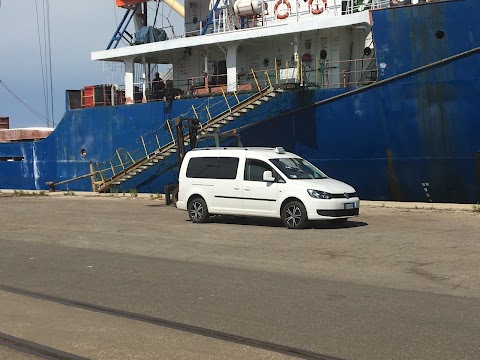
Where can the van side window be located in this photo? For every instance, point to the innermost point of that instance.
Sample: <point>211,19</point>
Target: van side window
<point>212,168</point>
<point>227,168</point>
<point>254,170</point>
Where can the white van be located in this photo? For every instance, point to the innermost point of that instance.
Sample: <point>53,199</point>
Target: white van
<point>261,182</point>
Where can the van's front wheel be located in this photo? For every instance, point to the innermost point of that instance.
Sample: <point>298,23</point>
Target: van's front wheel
<point>197,210</point>
<point>294,215</point>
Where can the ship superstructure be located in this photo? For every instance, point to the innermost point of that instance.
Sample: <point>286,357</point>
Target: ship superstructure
<point>314,43</point>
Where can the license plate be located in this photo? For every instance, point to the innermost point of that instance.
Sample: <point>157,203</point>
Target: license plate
<point>349,206</point>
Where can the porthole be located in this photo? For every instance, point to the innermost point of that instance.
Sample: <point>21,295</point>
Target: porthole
<point>323,54</point>
<point>440,34</point>
<point>83,153</point>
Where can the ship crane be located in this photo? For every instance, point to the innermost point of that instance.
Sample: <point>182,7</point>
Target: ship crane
<point>133,8</point>
<point>175,5</point>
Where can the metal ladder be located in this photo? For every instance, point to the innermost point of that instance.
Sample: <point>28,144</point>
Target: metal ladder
<point>121,30</point>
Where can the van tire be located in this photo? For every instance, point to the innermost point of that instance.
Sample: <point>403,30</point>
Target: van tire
<point>197,210</point>
<point>294,215</point>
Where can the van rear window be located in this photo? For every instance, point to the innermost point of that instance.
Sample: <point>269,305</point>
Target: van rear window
<point>213,168</point>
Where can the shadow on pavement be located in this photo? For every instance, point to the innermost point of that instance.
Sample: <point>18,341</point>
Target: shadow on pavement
<point>270,222</point>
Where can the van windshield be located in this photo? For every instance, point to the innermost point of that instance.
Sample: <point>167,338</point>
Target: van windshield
<point>298,168</point>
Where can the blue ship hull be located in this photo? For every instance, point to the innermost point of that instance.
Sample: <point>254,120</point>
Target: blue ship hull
<point>414,135</point>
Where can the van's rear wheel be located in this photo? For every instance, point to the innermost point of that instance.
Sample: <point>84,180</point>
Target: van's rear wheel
<point>197,210</point>
<point>294,215</point>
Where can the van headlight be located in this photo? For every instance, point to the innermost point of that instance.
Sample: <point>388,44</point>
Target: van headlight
<point>319,194</point>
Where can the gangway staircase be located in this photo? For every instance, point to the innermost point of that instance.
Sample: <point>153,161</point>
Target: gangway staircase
<point>163,152</point>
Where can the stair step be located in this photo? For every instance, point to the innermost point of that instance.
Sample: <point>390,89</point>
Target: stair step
<point>258,102</point>
<point>251,107</point>
<point>116,183</point>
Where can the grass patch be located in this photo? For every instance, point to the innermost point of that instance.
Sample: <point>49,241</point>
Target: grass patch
<point>133,192</point>
<point>476,208</point>
<point>26,193</point>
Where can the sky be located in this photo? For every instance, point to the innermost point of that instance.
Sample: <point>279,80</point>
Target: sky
<point>76,29</point>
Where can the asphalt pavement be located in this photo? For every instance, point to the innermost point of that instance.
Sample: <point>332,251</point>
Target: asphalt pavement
<point>128,277</point>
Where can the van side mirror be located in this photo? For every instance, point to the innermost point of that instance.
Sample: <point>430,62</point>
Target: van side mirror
<point>268,177</point>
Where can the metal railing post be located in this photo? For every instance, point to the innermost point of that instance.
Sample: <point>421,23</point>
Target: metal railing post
<point>100,172</point>
<point>268,78</point>
<point>226,100</point>
<point>171,132</point>
<point>144,147</point>
<point>196,115</point>
<point>256,82</point>
<point>131,158</point>
<point>208,113</point>
<point>120,159</point>
<point>286,71</point>
<point>301,71</point>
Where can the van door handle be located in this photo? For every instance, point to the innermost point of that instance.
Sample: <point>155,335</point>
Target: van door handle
<point>247,189</point>
<point>236,187</point>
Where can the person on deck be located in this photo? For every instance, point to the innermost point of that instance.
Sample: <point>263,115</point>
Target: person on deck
<point>158,87</point>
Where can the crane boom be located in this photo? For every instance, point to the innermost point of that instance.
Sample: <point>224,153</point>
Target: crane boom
<point>174,4</point>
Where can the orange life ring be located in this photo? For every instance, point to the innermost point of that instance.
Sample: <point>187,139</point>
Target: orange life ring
<point>285,15</point>
<point>318,9</point>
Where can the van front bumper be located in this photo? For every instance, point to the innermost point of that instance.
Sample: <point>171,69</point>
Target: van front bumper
<point>325,209</point>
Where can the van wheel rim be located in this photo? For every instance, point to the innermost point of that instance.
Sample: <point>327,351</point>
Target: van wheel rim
<point>294,215</point>
<point>196,211</point>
